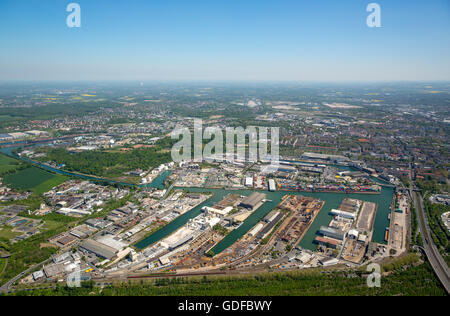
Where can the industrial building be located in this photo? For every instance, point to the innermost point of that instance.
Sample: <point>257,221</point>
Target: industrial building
<point>111,241</point>
<point>271,216</point>
<point>98,249</point>
<point>54,270</point>
<point>334,158</point>
<point>328,242</point>
<point>181,242</point>
<point>328,262</point>
<point>272,185</point>
<point>219,212</point>
<point>343,214</point>
<point>256,229</point>
<point>252,201</point>
<point>331,232</point>
<point>353,233</point>
<point>266,230</point>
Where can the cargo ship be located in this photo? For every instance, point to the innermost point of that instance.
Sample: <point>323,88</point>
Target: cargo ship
<point>386,235</point>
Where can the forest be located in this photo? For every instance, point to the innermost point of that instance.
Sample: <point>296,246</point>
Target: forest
<point>104,164</point>
<point>416,280</point>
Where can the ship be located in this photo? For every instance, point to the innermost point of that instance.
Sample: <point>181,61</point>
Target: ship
<point>386,234</point>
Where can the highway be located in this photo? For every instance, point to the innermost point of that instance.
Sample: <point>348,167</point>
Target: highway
<point>434,256</point>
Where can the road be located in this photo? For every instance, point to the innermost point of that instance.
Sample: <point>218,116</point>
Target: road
<point>434,256</point>
<point>6,287</point>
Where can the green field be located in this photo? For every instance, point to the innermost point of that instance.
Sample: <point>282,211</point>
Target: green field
<point>8,164</point>
<point>2,265</point>
<point>5,232</point>
<point>34,179</point>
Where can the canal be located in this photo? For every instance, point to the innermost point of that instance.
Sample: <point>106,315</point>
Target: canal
<point>332,200</point>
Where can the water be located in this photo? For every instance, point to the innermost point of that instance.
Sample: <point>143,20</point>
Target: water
<point>332,200</point>
<point>157,183</point>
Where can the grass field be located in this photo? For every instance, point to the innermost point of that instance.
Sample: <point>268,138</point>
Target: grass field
<point>2,265</point>
<point>7,233</point>
<point>8,164</point>
<point>34,179</point>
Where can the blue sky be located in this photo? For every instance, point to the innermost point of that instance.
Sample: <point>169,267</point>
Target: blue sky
<point>301,40</point>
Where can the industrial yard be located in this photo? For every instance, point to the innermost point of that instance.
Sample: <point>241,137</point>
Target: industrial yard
<point>198,227</point>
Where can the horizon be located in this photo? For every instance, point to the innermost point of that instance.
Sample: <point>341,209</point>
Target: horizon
<point>224,81</point>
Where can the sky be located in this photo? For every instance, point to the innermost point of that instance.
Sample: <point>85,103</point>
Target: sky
<point>245,40</point>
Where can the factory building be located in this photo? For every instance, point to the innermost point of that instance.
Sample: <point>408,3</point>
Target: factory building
<point>38,275</point>
<point>181,242</point>
<point>328,262</point>
<point>54,270</point>
<point>72,212</point>
<point>343,214</point>
<point>217,212</point>
<point>328,242</point>
<point>98,249</point>
<point>334,158</point>
<point>111,241</point>
<point>331,232</point>
<point>266,230</point>
<point>353,233</point>
<point>271,216</point>
<point>252,201</point>
<point>256,229</point>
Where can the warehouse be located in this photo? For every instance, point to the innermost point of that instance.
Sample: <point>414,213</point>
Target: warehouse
<point>181,242</point>
<point>271,216</point>
<point>252,201</point>
<point>111,241</point>
<point>38,275</point>
<point>219,212</point>
<point>266,230</point>
<point>343,214</point>
<point>54,270</point>
<point>256,229</point>
<point>331,232</point>
<point>314,156</point>
<point>328,242</point>
<point>99,249</point>
<point>328,262</point>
